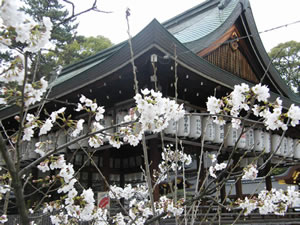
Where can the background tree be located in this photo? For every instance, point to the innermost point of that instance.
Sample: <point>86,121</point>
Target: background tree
<point>63,32</point>
<point>80,48</point>
<point>67,46</point>
<point>286,59</point>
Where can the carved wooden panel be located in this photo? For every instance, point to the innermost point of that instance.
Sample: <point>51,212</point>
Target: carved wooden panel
<point>232,60</point>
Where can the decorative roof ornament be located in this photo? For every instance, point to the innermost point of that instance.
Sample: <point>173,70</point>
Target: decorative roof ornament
<point>223,3</point>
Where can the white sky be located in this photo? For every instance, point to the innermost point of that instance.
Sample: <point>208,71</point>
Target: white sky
<point>267,14</point>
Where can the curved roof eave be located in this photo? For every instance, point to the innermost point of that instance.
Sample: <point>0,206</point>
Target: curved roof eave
<point>265,57</point>
<point>216,31</point>
<point>152,36</point>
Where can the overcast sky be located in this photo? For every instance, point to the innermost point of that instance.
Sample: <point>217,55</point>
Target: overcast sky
<point>267,14</point>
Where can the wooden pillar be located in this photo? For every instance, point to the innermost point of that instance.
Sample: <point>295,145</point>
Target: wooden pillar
<point>105,169</point>
<point>238,184</point>
<point>154,153</point>
<point>238,188</point>
<point>268,178</point>
<point>223,193</point>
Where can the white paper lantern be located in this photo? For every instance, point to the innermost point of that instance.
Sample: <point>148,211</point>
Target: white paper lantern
<point>219,134</point>
<point>196,126</point>
<point>233,136</point>
<point>208,129</point>
<point>267,142</point>
<point>296,149</point>
<point>184,126</point>
<point>258,140</point>
<point>290,143</point>
<point>284,148</point>
<point>275,144</point>
<point>171,128</point>
<point>249,139</point>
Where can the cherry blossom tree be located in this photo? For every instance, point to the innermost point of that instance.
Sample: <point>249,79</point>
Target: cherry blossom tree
<point>152,113</point>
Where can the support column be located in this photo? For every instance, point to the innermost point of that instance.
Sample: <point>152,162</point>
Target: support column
<point>238,184</point>
<point>105,169</point>
<point>268,178</point>
<point>154,153</point>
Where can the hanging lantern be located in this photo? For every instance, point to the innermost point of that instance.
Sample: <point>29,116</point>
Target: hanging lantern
<point>249,139</point>
<point>195,126</point>
<point>284,149</point>
<point>275,144</point>
<point>296,149</point>
<point>290,143</point>
<point>208,129</point>
<point>184,126</point>
<point>171,128</point>
<point>267,142</point>
<point>259,140</point>
<point>219,134</point>
<point>233,136</point>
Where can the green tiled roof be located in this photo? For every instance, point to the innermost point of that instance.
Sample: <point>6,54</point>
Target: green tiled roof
<point>73,73</point>
<point>202,24</point>
<point>77,68</point>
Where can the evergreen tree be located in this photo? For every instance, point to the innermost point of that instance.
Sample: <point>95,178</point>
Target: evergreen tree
<point>69,47</point>
<point>63,32</point>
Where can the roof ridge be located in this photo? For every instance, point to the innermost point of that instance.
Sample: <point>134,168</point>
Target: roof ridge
<point>190,12</point>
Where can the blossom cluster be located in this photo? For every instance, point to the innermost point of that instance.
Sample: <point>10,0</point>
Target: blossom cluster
<point>172,160</point>
<point>15,26</point>
<point>139,204</point>
<point>151,114</point>
<point>242,98</point>
<point>155,111</point>
<point>80,207</point>
<point>274,201</point>
<point>250,172</point>
<point>216,166</point>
